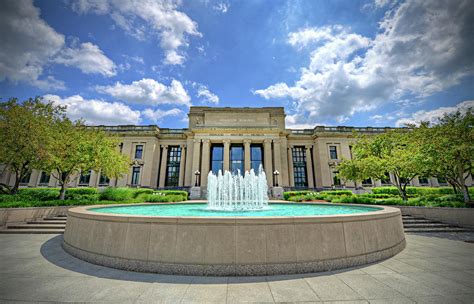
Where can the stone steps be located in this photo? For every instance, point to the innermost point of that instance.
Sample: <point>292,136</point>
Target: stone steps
<point>48,225</point>
<point>413,224</point>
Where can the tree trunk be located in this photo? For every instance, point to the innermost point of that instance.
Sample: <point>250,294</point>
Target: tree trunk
<point>465,194</point>
<point>62,192</point>
<point>15,187</point>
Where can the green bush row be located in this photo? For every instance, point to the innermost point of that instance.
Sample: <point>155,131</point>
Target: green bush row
<point>287,195</point>
<point>154,198</point>
<point>141,194</point>
<point>418,191</point>
<point>49,194</point>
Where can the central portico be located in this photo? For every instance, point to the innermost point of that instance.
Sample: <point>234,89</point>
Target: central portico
<point>237,139</point>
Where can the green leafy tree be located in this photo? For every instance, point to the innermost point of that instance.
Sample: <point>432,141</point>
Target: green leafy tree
<point>25,129</point>
<point>448,146</point>
<point>75,148</point>
<point>395,151</point>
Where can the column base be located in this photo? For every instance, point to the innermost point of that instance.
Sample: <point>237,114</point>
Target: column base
<point>277,192</point>
<point>195,193</point>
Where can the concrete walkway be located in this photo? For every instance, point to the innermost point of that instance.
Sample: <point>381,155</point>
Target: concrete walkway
<point>432,269</point>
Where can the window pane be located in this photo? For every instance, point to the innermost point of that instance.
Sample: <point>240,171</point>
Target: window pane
<point>172,170</point>
<point>138,151</point>
<point>217,156</point>
<point>333,152</point>
<point>237,159</point>
<point>135,175</point>
<point>299,166</point>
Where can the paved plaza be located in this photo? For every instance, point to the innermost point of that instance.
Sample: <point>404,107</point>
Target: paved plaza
<point>432,269</point>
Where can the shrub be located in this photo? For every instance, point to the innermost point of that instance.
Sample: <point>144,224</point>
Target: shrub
<point>164,198</point>
<point>39,194</point>
<point>288,194</point>
<point>378,195</point>
<point>91,194</point>
<point>117,194</point>
<point>390,201</point>
<point>414,191</point>
<point>10,198</point>
<point>297,198</point>
<point>337,192</point>
<point>353,199</point>
<point>173,192</point>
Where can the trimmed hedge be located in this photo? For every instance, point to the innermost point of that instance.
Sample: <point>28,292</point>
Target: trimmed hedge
<point>353,199</point>
<point>173,192</point>
<point>157,198</point>
<point>414,191</point>
<point>123,194</point>
<point>288,194</point>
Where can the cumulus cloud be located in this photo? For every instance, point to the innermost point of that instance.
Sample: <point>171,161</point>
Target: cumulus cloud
<point>27,43</point>
<point>140,17</point>
<point>205,94</point>
<point>423,47</point>
<point>433,115</point>
<point>96,112</point>
<point>89,58</point>
<point>157,115</point>
<point>148,91</point>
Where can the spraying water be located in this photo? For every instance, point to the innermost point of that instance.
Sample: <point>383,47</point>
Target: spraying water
<point>236,192</point>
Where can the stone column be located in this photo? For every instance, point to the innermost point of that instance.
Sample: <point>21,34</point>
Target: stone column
<point>226,154</point>
<point>164,160</point>
<point>415,182</point>
<point>317,166</point>
<point>155,165</point>
<point>206,157</point>
<point>284,173</point>
<point>309,167</point>
<point>268,161</point>
<point>182,166</point>
<point>188,172</point>
<point>277,158</point>
<point>246,155</point>
<point>196,159</point>
<point>290,167</point>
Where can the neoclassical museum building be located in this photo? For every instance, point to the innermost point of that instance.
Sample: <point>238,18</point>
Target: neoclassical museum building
<point>229,139</point>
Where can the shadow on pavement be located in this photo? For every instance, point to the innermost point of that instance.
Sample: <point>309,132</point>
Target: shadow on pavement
<point>52,251</point>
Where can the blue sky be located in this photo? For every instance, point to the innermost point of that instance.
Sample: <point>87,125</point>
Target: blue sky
<point>359,63</point>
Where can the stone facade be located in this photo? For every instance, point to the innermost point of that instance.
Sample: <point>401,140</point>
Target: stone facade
<point>228,138</point>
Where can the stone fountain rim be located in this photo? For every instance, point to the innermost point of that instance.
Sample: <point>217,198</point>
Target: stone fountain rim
<point>86,213</point>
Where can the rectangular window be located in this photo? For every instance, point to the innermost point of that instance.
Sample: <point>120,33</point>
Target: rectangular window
<point>256,157</point>
<point>172,168</point>
<point>442,181</point>
<point>217,158</point>
<point>332,152</point>
<point>135,176</point>
<point>44,179</point>
<point>26,179</point>
<point>138,151</point>
<point>85,178</point>
<point>237,159</point>
<point>386,180</point>
<point>104,180</point>
<point>423,180</point>
<point>367,182</point>
<point>299,167</point>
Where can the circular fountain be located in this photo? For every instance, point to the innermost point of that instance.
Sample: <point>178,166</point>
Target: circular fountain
<point>238,232</point>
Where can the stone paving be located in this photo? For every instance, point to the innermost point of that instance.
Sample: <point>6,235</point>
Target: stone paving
<point>432,269</point>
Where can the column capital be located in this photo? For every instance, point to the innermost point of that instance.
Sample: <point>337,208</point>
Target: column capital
<point>164,146</point>
<point>247,141</point>
<point>277,141</point>
<point>267,141</point>
<point>308,146</point>
<point>183,146</point>
<point>226,141</point>
<point>206,141</point>
<point>196,141</point>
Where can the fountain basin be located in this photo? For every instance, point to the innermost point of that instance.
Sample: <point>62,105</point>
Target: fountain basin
<point>234,245</point>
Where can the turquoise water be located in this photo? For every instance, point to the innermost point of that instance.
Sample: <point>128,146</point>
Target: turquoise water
<point>200,210</point>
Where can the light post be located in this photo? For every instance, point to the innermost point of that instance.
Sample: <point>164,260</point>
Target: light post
<point>275,174</point>
<point>197,173</point>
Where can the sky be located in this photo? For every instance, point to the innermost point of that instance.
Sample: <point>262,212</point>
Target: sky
<point>352,63</point>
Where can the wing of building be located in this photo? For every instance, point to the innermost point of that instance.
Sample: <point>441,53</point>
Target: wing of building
<point>228,139</point>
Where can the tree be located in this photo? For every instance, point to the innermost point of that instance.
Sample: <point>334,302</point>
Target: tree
<point>395,151</point>
<point>24,132</point>
<point>75,148</point>
<point>448,146</point>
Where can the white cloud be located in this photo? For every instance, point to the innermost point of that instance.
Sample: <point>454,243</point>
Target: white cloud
<point>148,91</point>
<point>27,43</point>
<point>96,112</point>
<point>89,58</point>
<point>208,96</point>
<point>433,115</point>
<point>157,115</point>
<point>139,18</point>
<point>222,7</point>
<point>423,47</point>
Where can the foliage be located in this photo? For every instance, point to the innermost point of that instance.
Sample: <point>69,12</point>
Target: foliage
<point>417,191</point>
<point>33,203</point>
<point>74,148</point>
<point>449,148</point>
<point>353,199</point>
<point>174,192</point>
<point>164,198</point>
<point>395,151</point>
<point>118,194</point>
<point>140,194</point>
<point>25,130</point>
<point>39,194</point>
<point>337,192</point>
<point>288,194</point>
